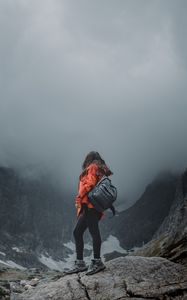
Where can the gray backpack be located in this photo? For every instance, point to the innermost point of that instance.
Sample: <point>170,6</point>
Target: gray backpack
<point>103,195</point>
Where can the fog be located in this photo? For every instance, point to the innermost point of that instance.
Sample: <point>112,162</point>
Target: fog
<point>109,76</point>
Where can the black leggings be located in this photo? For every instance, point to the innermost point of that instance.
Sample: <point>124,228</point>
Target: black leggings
<point>88,218</point>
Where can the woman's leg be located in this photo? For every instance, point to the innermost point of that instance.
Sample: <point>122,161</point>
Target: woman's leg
<point>93,217</point>
<point>78,232</point>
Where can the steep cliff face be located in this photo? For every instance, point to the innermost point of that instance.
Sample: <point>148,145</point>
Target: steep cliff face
<point>170,240</point>
<point>137,224</point>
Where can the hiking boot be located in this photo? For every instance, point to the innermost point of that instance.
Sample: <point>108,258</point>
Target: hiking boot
<point>96,266</point>
<point>79,266</point>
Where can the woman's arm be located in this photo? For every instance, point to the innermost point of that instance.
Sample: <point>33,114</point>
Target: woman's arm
<point>90,180</point>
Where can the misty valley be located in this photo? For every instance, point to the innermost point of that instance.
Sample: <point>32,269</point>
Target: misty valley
<point>37,220</point>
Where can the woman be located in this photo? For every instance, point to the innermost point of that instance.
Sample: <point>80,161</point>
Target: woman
<point>93,169</point>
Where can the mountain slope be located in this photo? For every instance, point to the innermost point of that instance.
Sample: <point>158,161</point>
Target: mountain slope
<point>36,221</point>
<point>33,218</point>
<point>137,224</point>
<point>170,240</point>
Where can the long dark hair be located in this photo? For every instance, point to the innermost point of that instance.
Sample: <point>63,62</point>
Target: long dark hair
<point>94,156</point>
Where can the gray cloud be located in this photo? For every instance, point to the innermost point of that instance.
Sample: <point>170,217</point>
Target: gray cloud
<point>85,75</point>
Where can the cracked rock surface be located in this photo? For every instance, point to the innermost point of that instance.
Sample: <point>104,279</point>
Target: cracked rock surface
<point>125,277</point>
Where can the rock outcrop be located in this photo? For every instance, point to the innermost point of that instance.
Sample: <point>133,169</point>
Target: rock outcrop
<point>125,277</point>
<point>170,240</point>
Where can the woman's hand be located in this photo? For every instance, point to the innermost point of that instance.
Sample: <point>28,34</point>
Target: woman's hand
<point>78,202</point>
<point>77,205</point>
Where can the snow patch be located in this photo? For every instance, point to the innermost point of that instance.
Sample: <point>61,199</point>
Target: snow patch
<point>17,249</point>
<point>11,264</point>
<point>14,265</point>
<point>70,245</point>
<point>111,244</point>
<point>4,263</point>
<point>53,264</point>
<point>2,253</point>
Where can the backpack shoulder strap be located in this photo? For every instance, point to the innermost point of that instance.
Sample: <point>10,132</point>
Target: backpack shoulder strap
<point>113,210</point>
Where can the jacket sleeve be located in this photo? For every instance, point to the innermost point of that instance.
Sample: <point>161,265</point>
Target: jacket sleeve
<point>90,180</point>
<point>77,198</point>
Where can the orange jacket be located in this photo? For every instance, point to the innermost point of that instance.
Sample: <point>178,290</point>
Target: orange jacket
<point>87,180</point>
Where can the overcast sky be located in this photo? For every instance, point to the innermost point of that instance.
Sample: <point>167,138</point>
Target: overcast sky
<point>109,76</point>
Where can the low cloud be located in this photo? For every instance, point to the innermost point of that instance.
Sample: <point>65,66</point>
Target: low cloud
<point>81,76</point>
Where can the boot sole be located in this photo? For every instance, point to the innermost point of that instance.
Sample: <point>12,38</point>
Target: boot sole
<point>75,271</point>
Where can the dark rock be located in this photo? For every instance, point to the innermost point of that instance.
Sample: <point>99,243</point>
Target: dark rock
<point>113,255</point>
<point>170,240</point>
<point>4,290</point>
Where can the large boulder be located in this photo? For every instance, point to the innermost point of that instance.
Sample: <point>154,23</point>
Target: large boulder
<point>125,277</point>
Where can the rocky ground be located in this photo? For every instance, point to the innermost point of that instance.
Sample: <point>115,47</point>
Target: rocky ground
<point>125,277</point>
